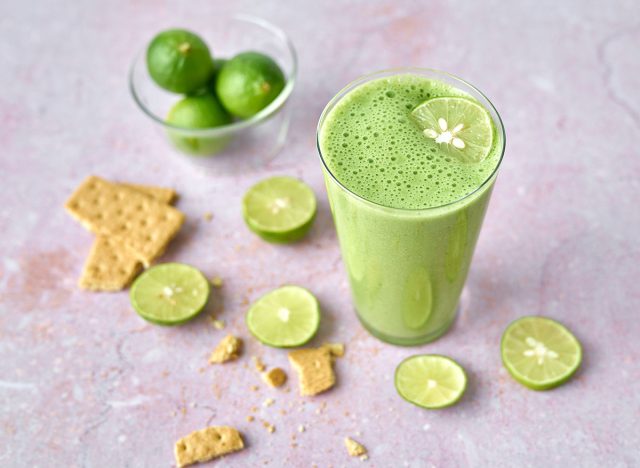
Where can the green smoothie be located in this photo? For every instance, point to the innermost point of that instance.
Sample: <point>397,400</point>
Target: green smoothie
<point>407,210</point>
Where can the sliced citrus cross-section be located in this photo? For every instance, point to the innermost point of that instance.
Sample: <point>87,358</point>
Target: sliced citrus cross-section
<point>539,352</point>
<point>461,127</point>
<point>170,293</point>
<point>279,209</point>
<point>430,381</point>
<point>285,317</point>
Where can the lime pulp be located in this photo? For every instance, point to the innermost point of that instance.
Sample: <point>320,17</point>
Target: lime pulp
<point>285,317</point>
<point>460,127</point>
<point>279,209</point>
<point>169,293</point>
<point>430,381</point>
<point>539,352</point>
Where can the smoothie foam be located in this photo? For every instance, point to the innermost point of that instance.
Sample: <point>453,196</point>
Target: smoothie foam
<point>374,149</point>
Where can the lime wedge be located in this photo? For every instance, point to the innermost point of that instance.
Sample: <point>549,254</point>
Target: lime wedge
<point>459,126</point>
<point>279,209</point>
<point>539,352</point>
<point>285,317</point>
<point>430,381</point>
<point>170,293</point>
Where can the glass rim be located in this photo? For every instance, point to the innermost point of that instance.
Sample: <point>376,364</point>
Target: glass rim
<point>234,127</point>
<point>399,71</point>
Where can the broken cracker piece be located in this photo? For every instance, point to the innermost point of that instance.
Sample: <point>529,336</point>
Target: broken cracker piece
<point>227,350</point>
<point>207,444</point>
<point>354,448</point>
<point>143,224</point>
<point>207,216</point>
<point>110,266</point>
<point>314,368</point>
<point>275,377</point>
<point>257,362</point>
<point>336,349</point>
<point>216,282</point>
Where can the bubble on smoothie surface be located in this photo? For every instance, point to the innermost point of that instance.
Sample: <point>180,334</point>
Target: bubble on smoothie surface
<point>371,146</point>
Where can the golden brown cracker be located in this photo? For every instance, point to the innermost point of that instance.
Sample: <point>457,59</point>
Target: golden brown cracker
<point>227,350</point>
<point>110,266</point>
<point>336,349</point>
<point>207,444</point>
<point>314,368</point>
<point>141,223</point>
<point>161,194</point>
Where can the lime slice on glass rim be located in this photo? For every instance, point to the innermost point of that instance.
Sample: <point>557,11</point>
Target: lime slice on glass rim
<point>285,317</point>
<point>279,209</point>
<point>170,293</point>
<point>430,381</point>
<point>539,352</point>
<point>461,128</point>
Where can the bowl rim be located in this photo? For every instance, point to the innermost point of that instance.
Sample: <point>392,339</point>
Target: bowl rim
<point>239,125</point>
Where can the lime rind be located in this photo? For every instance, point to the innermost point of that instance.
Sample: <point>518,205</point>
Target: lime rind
<point>170,293</point>
<point>556,338</point>
<point>458,126</point>
<point>414,376</point>
<point>279,209</point>
<point>285,317</point>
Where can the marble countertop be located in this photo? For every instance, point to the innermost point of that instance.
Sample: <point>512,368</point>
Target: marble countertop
<point>84,382</point>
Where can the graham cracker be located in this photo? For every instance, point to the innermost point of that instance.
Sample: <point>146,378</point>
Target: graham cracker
<point>227,350</point>
<point>110,265</point>
<point>207,444</point>
<point>161,194</point>
<point>314,368</point>
<point>144,225</point>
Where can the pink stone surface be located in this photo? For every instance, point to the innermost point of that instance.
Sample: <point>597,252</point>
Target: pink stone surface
<point>85,382</point>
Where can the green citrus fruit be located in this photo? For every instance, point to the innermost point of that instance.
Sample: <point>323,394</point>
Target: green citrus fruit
<point>248,83</point>
<point>198,112</point>
<point>170,293</point>
<point>179,61</point>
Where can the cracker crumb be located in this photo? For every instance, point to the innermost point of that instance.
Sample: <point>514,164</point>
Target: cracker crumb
<point>250,418</point>
<point>207,216</point>
<point>254,409</point>
<point>207,444</point>
<point>216,282</point>
<point>218,324</point>
<point>301,428</point>
<point>364,457</point>
<point>257,362</point>
<point>354,448</point>
<point>269,427</point>
<point>336,349</point>
<point>268,402</point>
<point>227,350</point>
<point>254,388</point>
<point>314,367</point>
<point>275,377</point>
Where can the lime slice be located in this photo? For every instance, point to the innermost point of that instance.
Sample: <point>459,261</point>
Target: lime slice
<point>539,352</point>
<point>170,293</point>
<point>285,317</point>
<point>430,381</point>
<point>279,209</point>
<point>459,126</point>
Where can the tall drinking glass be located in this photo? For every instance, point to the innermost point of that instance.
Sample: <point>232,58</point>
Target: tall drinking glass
<point>406,221</point>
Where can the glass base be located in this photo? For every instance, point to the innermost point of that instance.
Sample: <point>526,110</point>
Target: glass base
<point>413,341</point>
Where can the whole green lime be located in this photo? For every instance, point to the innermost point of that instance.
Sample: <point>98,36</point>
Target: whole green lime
<point>198,112</point>
<point>248,83</point>
<point>179,61</point>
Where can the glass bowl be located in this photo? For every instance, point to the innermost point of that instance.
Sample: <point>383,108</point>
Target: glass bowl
<point>263,133</point>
